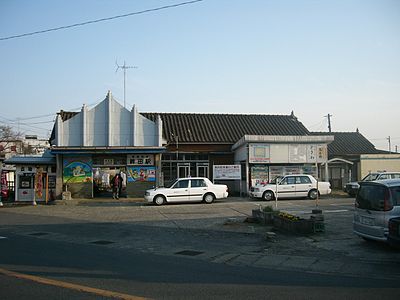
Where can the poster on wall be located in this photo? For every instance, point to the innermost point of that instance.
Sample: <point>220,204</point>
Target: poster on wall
<point>227,172</point>
<point>259,153</point>
<point>297,153</point>
<point>77,170</point>
<point>141,174</point>
<point>259,175</point>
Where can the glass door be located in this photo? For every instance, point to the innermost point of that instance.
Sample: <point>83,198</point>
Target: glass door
<point>202,170</point>
<point>183,170</point>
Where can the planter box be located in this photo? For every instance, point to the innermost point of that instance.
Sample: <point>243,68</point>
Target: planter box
<point>264,217</point>
<point>302,226</point>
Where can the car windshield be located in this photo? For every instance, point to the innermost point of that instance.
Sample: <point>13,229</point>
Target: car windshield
<point>371,177</point>
<point>278,178</point>
<point>168,185</point>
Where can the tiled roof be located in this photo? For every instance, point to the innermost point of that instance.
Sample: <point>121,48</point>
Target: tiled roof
<point>349,143</point>
<point>225,128</point>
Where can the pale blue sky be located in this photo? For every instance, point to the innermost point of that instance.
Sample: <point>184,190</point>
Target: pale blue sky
<point>218,56</point>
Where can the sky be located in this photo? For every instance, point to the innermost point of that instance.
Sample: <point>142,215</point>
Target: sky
<point>270,57</point>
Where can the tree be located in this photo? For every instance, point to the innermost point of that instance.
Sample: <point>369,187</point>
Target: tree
<point>8,143</point>
<point>8,139</point>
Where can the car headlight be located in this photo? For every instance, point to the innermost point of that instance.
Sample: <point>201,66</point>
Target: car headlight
<point>147,194</point>
<point>256,190</point>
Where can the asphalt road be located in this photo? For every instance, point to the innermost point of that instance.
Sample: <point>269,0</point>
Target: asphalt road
<point>129,250</point>
<point>134,273</point>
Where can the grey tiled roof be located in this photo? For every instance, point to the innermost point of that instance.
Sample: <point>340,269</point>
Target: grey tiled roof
<point>349,143</point>
<point>225,128</point>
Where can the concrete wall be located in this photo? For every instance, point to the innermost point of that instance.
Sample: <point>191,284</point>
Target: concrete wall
<point>379,163</point>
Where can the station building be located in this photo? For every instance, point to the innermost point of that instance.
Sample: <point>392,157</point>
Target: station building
<point>152,149</point>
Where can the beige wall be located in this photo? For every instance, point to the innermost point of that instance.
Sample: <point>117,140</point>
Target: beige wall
<point>379,163</point>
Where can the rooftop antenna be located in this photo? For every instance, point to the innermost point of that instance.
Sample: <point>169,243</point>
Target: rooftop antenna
<point>124,67</point>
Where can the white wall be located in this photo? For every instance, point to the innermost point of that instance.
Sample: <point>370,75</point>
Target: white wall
<point>379,163</point>
<point>109,124</point>
<point>72,131</point>
<point>96,126</point>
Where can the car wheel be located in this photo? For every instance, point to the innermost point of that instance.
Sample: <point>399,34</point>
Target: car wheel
<point>312,194</point>
<point>208,198</point>
<point>268,196</point>
<point>159,200</point>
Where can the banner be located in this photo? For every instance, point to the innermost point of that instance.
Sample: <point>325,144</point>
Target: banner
<point>227,172</point>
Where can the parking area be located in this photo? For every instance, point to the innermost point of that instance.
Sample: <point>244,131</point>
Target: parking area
<point>213,232</point>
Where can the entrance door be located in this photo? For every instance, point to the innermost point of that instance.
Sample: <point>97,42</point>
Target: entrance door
<point>183,170</point>
<point>202,171</point>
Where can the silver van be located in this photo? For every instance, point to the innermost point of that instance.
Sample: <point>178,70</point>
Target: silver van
<point>376,203</point>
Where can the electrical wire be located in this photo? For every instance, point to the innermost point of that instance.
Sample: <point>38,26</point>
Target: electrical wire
<point>99,20</point>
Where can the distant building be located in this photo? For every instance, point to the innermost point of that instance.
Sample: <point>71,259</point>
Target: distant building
<point>344,153</point>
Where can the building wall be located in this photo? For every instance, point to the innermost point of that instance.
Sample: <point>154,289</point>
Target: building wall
<point>72,131</point>
<point>378,163</point>
<point>109,124</point>
<point>96,126</point>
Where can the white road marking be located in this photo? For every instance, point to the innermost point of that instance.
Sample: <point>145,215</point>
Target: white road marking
<point>336,210</point>
<point>3,237</point>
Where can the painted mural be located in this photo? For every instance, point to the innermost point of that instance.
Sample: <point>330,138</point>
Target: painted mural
<point>77,170</point>
<point>141,174</point>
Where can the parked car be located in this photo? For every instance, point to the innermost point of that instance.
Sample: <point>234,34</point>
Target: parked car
<point>195,189</point>
<point>351,188</point>
<point>291,186</point>
<point>394,232</point>
<point>376,203</point>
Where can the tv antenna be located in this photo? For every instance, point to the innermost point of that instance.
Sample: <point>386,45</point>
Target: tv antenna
<point>124,67</point>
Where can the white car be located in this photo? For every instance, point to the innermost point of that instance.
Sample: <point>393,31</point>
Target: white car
<point>194,189</point>
<point>291,186</point>
<point>351,188</point>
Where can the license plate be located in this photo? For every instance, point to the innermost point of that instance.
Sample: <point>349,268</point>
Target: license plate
<point>367,221</point>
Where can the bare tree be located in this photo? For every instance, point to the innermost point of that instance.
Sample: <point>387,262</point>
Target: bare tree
<point>8,140</point>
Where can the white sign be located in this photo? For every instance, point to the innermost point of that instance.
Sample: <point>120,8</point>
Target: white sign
<point>227,172</point>
<point>259,153</point>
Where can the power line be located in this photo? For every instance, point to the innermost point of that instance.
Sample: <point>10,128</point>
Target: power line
<point>99,20</point>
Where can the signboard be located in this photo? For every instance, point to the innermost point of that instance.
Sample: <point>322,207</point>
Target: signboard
<point>259,153</point>
<point>141,160</point>
<point>227,172</point>
<point>317,153</point>
<point>297,153</point>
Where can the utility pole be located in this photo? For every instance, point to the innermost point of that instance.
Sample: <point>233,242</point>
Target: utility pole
<point>124,67</point>
<point>329,122</point>
<point>395,147</point>
<point>390,146</point>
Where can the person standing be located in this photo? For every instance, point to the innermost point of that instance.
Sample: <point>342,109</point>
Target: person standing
<point>116,185</point>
